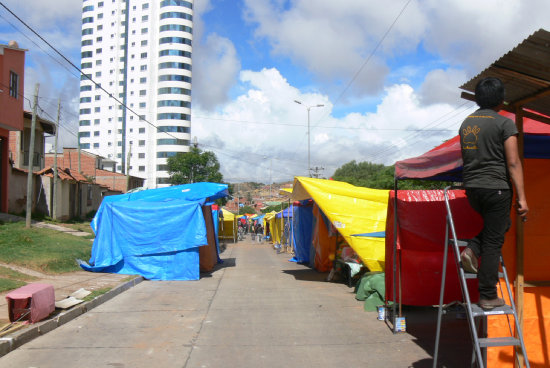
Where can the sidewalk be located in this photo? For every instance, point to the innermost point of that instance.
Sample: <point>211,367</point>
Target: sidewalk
<point>256,309</point>
<point>64,284</point>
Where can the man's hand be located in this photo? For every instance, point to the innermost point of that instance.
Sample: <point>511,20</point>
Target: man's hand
<point>522,209</point>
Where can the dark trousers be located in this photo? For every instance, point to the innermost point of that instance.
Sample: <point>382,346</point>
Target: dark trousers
<point>494,207</point>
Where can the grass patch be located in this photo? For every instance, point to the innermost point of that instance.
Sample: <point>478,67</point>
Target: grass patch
<point>76,225</point>
<point>6,272</point>
<point>7,284</point>
<point>45,250</point>
<point>96,293</point>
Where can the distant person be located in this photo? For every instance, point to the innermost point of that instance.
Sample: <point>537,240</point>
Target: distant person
<point>491,160</point>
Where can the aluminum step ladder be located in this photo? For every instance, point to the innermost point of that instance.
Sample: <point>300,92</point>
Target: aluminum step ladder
<point>475,314</point>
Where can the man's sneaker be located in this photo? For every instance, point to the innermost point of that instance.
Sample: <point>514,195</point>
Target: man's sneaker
<point>469,260</point>
<point>491,303</point>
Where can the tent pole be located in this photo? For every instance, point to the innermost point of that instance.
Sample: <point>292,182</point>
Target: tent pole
<point>520,276</point>
<point>394,254</point>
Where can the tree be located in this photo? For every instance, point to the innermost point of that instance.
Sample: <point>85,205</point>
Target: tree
<point>193,167</point>
<point>246,209</point>
<point>378,176</point>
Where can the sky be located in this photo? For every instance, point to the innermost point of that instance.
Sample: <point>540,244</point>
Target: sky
<point>386,72</point>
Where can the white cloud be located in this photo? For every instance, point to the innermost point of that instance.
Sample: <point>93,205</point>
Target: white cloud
<point>441,86</point>
<point>215,70</point>
<point>264,123</point>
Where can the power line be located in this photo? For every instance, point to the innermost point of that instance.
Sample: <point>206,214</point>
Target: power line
<point>369,57</point>
<point>97,85</point>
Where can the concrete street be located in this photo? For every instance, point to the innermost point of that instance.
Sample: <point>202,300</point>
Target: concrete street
<point>256,310</point>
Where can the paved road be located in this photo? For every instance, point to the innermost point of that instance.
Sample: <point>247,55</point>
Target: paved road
<point>258,310</point>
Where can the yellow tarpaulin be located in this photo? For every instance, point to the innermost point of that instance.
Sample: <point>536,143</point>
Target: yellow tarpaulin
<point>229,228</point>
<point>352,210</point>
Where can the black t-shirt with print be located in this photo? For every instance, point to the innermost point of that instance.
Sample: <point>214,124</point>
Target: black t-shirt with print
<point>482,136</point>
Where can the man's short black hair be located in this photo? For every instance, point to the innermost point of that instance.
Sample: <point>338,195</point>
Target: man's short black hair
<point>489,93</point>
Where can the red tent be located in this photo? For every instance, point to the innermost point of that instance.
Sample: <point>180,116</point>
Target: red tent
<point>444,163</point>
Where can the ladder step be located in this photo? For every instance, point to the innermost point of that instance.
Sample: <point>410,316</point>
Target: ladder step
<point>477,311</point>
<point>498,341</point>
<point>460,243</point>
<point>469,275</point>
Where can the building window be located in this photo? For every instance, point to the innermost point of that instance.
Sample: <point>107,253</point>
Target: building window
<point>174,78</point>
<point>142,105</point>
<point>144,55</point>
<point>85,65</point>
<point>141,155</point>
<point>98,51</point>
<point>141,143</point>
<point>141,130</point>
<point>98,62</point>
<point>143,68</point>
<point>173,65</point>
<point>163,180</point>
<point>145,6</point>
<point>173,129</point>
<point>87,20</point>
<point>14,84</point>
<point>184,3</point>
<point>98,97</point>
<point>84,123</point>
<point>174,103</point>
<point>96,145</point>
<point>142,168</point>
<point>96,121</point>
<point>86,54</point>
<point>178,15</point>
<point>87,31</point>
<point>182,40</point>
<point>145,18</point>
<point>86,43</point>
<point>143,80</point>
<point>85,145</point>
<point>87,8</point>
<point>100,16</point>
<point>171,141</point>
<point>96,133</point>
<point>85,111</point>
<point>176,27</point>
<point>166,154</point>
<point>100,4</point>
<point>84,134</point>
<point>144,30</point>
<point>85,99</point>
<point>175,53</point>
<point>174,90</point>
<point>85,88</point>
<point>143,92</point>
<point>98,74</point>
<point>99,39</point>
<point>97,109</point>
<point>144,43</point>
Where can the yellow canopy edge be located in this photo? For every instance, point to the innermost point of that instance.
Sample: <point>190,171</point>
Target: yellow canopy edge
<point>352,210</point>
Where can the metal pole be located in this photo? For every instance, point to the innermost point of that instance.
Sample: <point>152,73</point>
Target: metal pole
<point>308,144</point>
<point>54,199</point>
<point>31,154</point>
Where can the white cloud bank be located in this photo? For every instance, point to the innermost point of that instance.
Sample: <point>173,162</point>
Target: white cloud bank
<point>264,128</point>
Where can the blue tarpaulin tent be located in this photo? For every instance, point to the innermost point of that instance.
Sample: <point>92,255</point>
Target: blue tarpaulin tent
<point>155,233</point>
<point>303,225</point>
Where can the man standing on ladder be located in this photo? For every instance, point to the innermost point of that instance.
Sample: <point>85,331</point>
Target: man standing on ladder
<point>490,154</point>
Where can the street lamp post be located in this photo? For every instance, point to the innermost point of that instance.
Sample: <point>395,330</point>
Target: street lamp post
<point>308,134</point>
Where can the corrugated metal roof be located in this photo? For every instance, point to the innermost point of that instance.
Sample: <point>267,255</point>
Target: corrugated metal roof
<point>525,72</point>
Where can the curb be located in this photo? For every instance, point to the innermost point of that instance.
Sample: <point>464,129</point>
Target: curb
<point>19,338</point>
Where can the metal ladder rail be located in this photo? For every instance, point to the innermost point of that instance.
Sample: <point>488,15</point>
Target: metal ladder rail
<point>463,286</point>
<point>476,311</point>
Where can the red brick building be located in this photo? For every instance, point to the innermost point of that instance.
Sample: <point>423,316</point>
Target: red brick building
<point>94,167</point>
<point>12,70</point>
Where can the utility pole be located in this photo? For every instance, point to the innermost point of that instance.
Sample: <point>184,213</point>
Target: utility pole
<point>316,169</point>
<point>54,199</point>
<point>308,135</point>
<point>31,156</point>
<point>79,164</point>
<point>128,168</point>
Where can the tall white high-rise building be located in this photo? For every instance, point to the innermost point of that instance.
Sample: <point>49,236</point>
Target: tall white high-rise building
<point>139,51</point>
